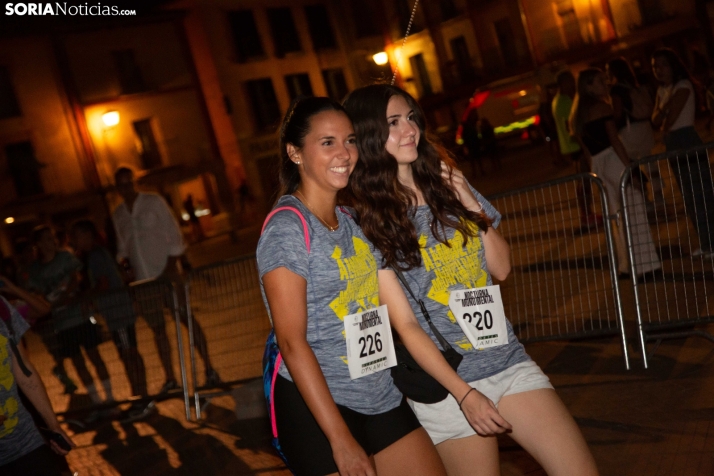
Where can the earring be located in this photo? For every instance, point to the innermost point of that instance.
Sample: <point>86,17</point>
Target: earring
<point>297,162</point>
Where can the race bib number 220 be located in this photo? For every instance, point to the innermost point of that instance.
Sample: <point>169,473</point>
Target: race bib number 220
<point>480,315</point>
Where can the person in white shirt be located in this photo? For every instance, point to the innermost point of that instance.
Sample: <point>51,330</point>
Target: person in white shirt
<point>150,240</point>
<point>674,114</point>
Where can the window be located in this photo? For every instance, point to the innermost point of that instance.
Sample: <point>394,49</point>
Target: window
<point>24,169</point>
<point>462,59</point>
<point>130,77</point>
<point>266,110</point>
<point>298,85</point>
<point>8,101</point>
<point>506,42</point>
<point>421,75</point>
<point>246,39</point>
<point>404,12</point>
<point>318,21</point>
<point>448,9</point>
<point>335,82</point>
<point>146,143</point>
<point>282,27</point>
<point>363,19</point>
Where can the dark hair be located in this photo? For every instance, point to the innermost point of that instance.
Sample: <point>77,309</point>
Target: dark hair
<point>383,204</point>
<point>679,70</point>
<point>40,230</point>
<point>620,68</point>
<point>123,170</point>
<point>295,126</point>
<point>87,226</point>
<point>564,76</point>
<point>583,100</point>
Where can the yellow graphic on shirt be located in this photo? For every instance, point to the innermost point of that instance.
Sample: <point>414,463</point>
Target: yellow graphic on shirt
<point>9,407</point>
<point>454,264</point>
<point>360,274</point>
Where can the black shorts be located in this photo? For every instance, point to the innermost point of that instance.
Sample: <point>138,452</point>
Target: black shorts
<point>70,340</point>
<point>125,338</point>
<point>305,445</point>
<point>39,462</point>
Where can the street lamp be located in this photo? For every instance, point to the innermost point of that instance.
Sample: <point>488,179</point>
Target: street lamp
<point>110,118</point>
<point>381,58</point>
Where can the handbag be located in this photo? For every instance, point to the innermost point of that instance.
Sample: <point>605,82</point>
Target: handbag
<point>408,376</point>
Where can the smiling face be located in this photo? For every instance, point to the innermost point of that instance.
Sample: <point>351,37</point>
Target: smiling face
<point>404,132</point>
<point>329,153</point>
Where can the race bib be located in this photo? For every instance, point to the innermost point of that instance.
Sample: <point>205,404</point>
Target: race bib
<point>370,347</point>
<point>480,314</point>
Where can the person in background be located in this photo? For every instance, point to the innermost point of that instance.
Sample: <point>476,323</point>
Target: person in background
<point>569,147</point>
<point>632,107</point>
<point>23,451</point>
<point>490,143</point>
<point>548,126</point>
<point>149,242</point>
<point>674,115</point>
<point>57,278</point>
<point>593,123</point>
<point>116,307</point>
<point>472,140</point>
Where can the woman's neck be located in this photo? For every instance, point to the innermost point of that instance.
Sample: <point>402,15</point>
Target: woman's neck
<point>406,178</point>
<point>321,203</point>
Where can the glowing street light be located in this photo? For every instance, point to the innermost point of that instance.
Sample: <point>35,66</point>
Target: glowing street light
<point>9,220</point>
<point>110,118</point>
<point>381,58</point>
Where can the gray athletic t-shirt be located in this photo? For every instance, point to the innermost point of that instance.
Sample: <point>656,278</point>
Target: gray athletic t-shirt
<point>445,269</point>
<point>341,274</point>
<point>18,434</point>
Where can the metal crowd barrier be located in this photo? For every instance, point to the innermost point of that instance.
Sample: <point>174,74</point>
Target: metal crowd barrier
<point>113,332</point>
<point>672,207</point>
<point>563,283</point>
<point>225,299</point>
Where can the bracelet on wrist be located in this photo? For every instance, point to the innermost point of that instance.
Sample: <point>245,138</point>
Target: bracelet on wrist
<point>464,397</point>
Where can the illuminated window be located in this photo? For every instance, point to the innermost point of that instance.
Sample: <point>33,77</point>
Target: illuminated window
<point>246,38</point>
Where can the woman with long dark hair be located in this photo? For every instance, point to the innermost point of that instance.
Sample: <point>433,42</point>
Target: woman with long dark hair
<point>440,234</point>
<point>592,121</point>
<point>674,114</point>
<point>317,272</point>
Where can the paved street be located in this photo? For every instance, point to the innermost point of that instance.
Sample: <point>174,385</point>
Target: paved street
<point>655,421</point>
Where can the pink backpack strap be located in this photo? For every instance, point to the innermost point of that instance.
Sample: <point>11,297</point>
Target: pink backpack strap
<point>279,358</point>
<point>297,212</point>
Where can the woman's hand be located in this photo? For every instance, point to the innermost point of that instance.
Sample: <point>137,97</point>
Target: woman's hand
<point>483,415</point>
<point>351,459</point>
<point>55,447</point>
<point>460,185</point>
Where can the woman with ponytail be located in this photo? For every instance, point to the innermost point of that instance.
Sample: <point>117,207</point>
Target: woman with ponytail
<point>317,272</point>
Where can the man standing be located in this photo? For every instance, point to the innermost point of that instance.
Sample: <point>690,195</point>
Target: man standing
<point>569,147</point>
<point>149,238</point>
